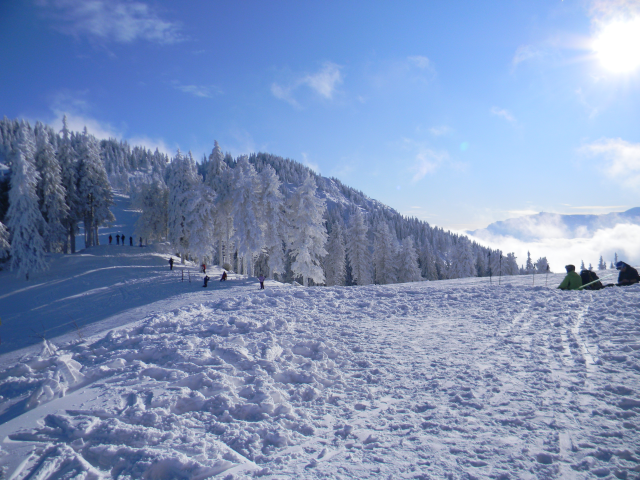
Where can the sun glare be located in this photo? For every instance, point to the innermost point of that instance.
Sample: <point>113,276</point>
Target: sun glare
<point>618,46</point>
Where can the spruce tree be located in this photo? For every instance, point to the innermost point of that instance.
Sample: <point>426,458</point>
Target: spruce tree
<point>602,265</point>
<point>24,219</point>
<point>152,200</point>
<point>335,261</point>
<point>385,255</point>
<point>67,158</point>
<point>307,233</point>
<point>358,250</point>
<point>51,193</point>
<point>408,270</point>
<point>5,246</point>
<point>273,222</point>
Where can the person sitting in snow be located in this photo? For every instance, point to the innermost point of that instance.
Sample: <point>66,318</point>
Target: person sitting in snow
<point>206,280</point>
<point>628,275</point>
<point>261,278</point>
<point>572,281</point>
<point>223,278</point>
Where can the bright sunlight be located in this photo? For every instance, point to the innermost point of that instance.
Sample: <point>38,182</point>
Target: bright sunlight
<point>618,46</point>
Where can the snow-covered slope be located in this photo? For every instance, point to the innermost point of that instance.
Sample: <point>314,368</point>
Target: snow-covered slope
<point>143,375</point>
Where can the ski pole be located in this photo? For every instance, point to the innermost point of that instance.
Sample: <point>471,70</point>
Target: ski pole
<point>607,276</point>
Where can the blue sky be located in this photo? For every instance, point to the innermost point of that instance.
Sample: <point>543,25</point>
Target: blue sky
<point>459,113</point>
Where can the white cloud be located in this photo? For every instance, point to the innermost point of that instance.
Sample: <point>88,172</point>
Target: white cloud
<point>420,61</point>
<point>312,165</point>
<point>621,159</point>
<point>427,161</point>
<point>524,53</point>
<point>324,82</point>
<point>439,131</point>
<point>111,20</point>
<point>621,239</point>
<point>501,112</point>
<point>202,91</point>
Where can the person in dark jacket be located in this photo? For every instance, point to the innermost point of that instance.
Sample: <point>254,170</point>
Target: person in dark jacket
<point>117,239</point>
<point>206,280</point>
<point>223,278</point>
<point>131,241</point>
<point>572,281</point>
<point>261,279</point>
<point>628,275</point>
<point>171,263</point>
<point>110,239</point>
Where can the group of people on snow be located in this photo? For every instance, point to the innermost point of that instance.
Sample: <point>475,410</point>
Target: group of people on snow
<point>223,277</point>
<point>119,237</point>
<point>589,280</point>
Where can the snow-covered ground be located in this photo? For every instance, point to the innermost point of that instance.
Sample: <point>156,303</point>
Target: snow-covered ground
<point>164,379</point>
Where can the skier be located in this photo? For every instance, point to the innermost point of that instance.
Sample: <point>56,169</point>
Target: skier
<point>171,263</point>
<point>131,241</point>
<point>628,275</point>
<point>204,268</point>
<point>140,242</point>
<point>110,239</point>
<point>117,239</point>
<point>206,280</point>
<point>261,278</point>
<point>223,278</point>
<point>572,281</point>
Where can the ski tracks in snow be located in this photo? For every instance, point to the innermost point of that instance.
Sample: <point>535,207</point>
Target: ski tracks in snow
<point>430,380</point>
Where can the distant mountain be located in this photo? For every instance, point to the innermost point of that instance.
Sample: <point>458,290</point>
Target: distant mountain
<point>553,225</point>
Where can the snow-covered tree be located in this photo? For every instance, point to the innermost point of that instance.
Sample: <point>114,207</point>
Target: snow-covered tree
<point>182,179</point>
<point>307,233</point>
<point>582,267</point>
<point>335,261</point>
<point>94,190</point>
<point>200,214</point>
<point>428,262</point>
<point>67,158</point>
<point>529,268</point>
<point>602,265</point>
<point>385,255</point>
<point>541,265</point>
<point>247,236</point>
<point>462,262</point>
<point>220,177</point>
<point>272,220</point>
<point>5,246</point>
<point>153,200</point>
<point>358,250</point>
<point>408,270</point>
<point>51,193</point>
<point>510,265</point>
<point>24,219</point>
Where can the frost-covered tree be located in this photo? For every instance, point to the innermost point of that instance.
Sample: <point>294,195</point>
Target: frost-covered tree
<point>94,190</point>
<point>385,255</point>
<point>582,267</point>
<point>182,179</point>
<point>462,262</point>
<point>51,193</point>
<point>529,268</point>
<point>602,265</point>
<point>428,262</point>
<point>335,261</point>
<point>24,219</point>
<point>272,220</point>
<point>152,200</point>
<point>247,236</point>
<point>307,233</point>
<point>358,250</point>
<point>408,270</point>
<point>510,265</point>
<point>200,214</point>
<point>67,158</point>
<point>5,246</point>
<point>541,265</point>
<point>220,177</point>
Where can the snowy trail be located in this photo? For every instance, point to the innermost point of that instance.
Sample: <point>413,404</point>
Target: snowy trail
<point>449,379</point>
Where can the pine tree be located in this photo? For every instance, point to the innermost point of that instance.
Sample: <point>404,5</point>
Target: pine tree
<point>153,201</point>
<point>358,250</point>
<point>67,158</point>
<point>428,262</point>
<point>51,193</point>
<point>541,265</point>
<point>510,264</point>
<point>24,217</point>
<point>5,246</point>
<point>220,177</point>
<point>615,260</point>
<point>248,236</point>
<point>529,268</point>
<point>335,261</point>
<point>602,265</point>
<point>182,178</point>
<point>611,265</point>
<point>408,270</point>
<point>199,216</point>
<point>385,255</point>
<point>94,191</point>
<point>582,267</point>
<point>462,264</point>
<point>307,233</point>
<point>273,222</point>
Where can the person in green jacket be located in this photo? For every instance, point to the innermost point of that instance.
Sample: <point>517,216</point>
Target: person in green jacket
<point>572,281</point>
